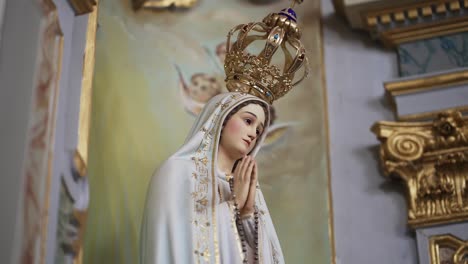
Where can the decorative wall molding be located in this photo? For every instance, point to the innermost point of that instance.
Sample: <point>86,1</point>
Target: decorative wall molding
<point>448,249</point>
<point>425,83</point>
<point>82,6</point>
<point>39,152</point>
<point>404,21</point>
<point>422,84</point>
<point>432,160</point>
<point>413,22</point>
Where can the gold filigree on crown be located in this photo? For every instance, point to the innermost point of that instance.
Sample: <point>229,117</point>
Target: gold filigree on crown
<point>256,74</point>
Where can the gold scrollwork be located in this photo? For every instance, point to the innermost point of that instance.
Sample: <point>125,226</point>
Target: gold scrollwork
<point>432,160</point>
<point>405,146</point>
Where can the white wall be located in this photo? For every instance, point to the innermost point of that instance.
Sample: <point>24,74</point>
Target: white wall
<point>369,211</point>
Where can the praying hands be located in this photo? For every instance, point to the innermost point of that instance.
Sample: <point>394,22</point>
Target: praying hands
<point>245,184</point>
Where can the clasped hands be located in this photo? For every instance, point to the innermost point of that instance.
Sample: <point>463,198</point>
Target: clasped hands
<point>245,184</point>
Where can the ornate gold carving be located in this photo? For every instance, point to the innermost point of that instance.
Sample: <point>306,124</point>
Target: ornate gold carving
<point>432,160</point>
<point>424,31</point>
<point>448,249</point>
<point>405,22</point>
<point>82,6</point>
<point>398,21</point>
<point>161,4</point>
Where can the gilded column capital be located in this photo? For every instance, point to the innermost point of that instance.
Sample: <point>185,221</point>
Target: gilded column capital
<point>432,160</point>
<point>395,22</point>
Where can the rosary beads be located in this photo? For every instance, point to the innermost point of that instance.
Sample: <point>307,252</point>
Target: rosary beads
<point>240,227</point>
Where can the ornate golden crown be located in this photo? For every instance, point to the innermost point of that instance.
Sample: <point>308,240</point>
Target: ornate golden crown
<point>255,74</point>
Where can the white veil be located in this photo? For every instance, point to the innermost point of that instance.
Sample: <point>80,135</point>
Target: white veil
<point>184,220</point>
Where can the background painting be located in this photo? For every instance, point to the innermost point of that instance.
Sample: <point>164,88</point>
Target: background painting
<point>154,71</point>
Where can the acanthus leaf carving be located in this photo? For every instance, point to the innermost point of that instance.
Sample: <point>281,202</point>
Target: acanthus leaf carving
<point>432,160</point>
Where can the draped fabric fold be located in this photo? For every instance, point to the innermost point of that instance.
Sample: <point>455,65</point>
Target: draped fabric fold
<point>188,216</point>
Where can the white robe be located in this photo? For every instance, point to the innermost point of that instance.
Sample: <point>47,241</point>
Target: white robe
<point>188,216</point>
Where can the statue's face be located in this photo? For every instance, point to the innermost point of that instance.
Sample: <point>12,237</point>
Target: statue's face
<point>242,130</point>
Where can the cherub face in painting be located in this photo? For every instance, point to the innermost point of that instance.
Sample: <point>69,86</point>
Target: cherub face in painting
<point>242,130</point>
<point>203,87</point>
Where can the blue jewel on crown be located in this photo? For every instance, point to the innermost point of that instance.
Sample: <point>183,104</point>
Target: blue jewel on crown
<point>289,13</point>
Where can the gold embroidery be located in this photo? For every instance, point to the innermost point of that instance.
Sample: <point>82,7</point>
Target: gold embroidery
<point>204,180</point>
<point>200,197</point>
<point>202,190</point>
<point>236,96</point>
<point>223,105</point>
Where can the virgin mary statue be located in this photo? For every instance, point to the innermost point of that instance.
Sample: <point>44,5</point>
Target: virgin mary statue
<point>204,204</point>
<point>192,213</point>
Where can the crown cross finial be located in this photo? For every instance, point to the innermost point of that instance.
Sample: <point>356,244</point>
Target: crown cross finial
<point>256,74</point>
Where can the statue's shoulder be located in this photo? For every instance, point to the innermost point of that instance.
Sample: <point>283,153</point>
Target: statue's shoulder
<point>174,167</point>
<point>177,162</point>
